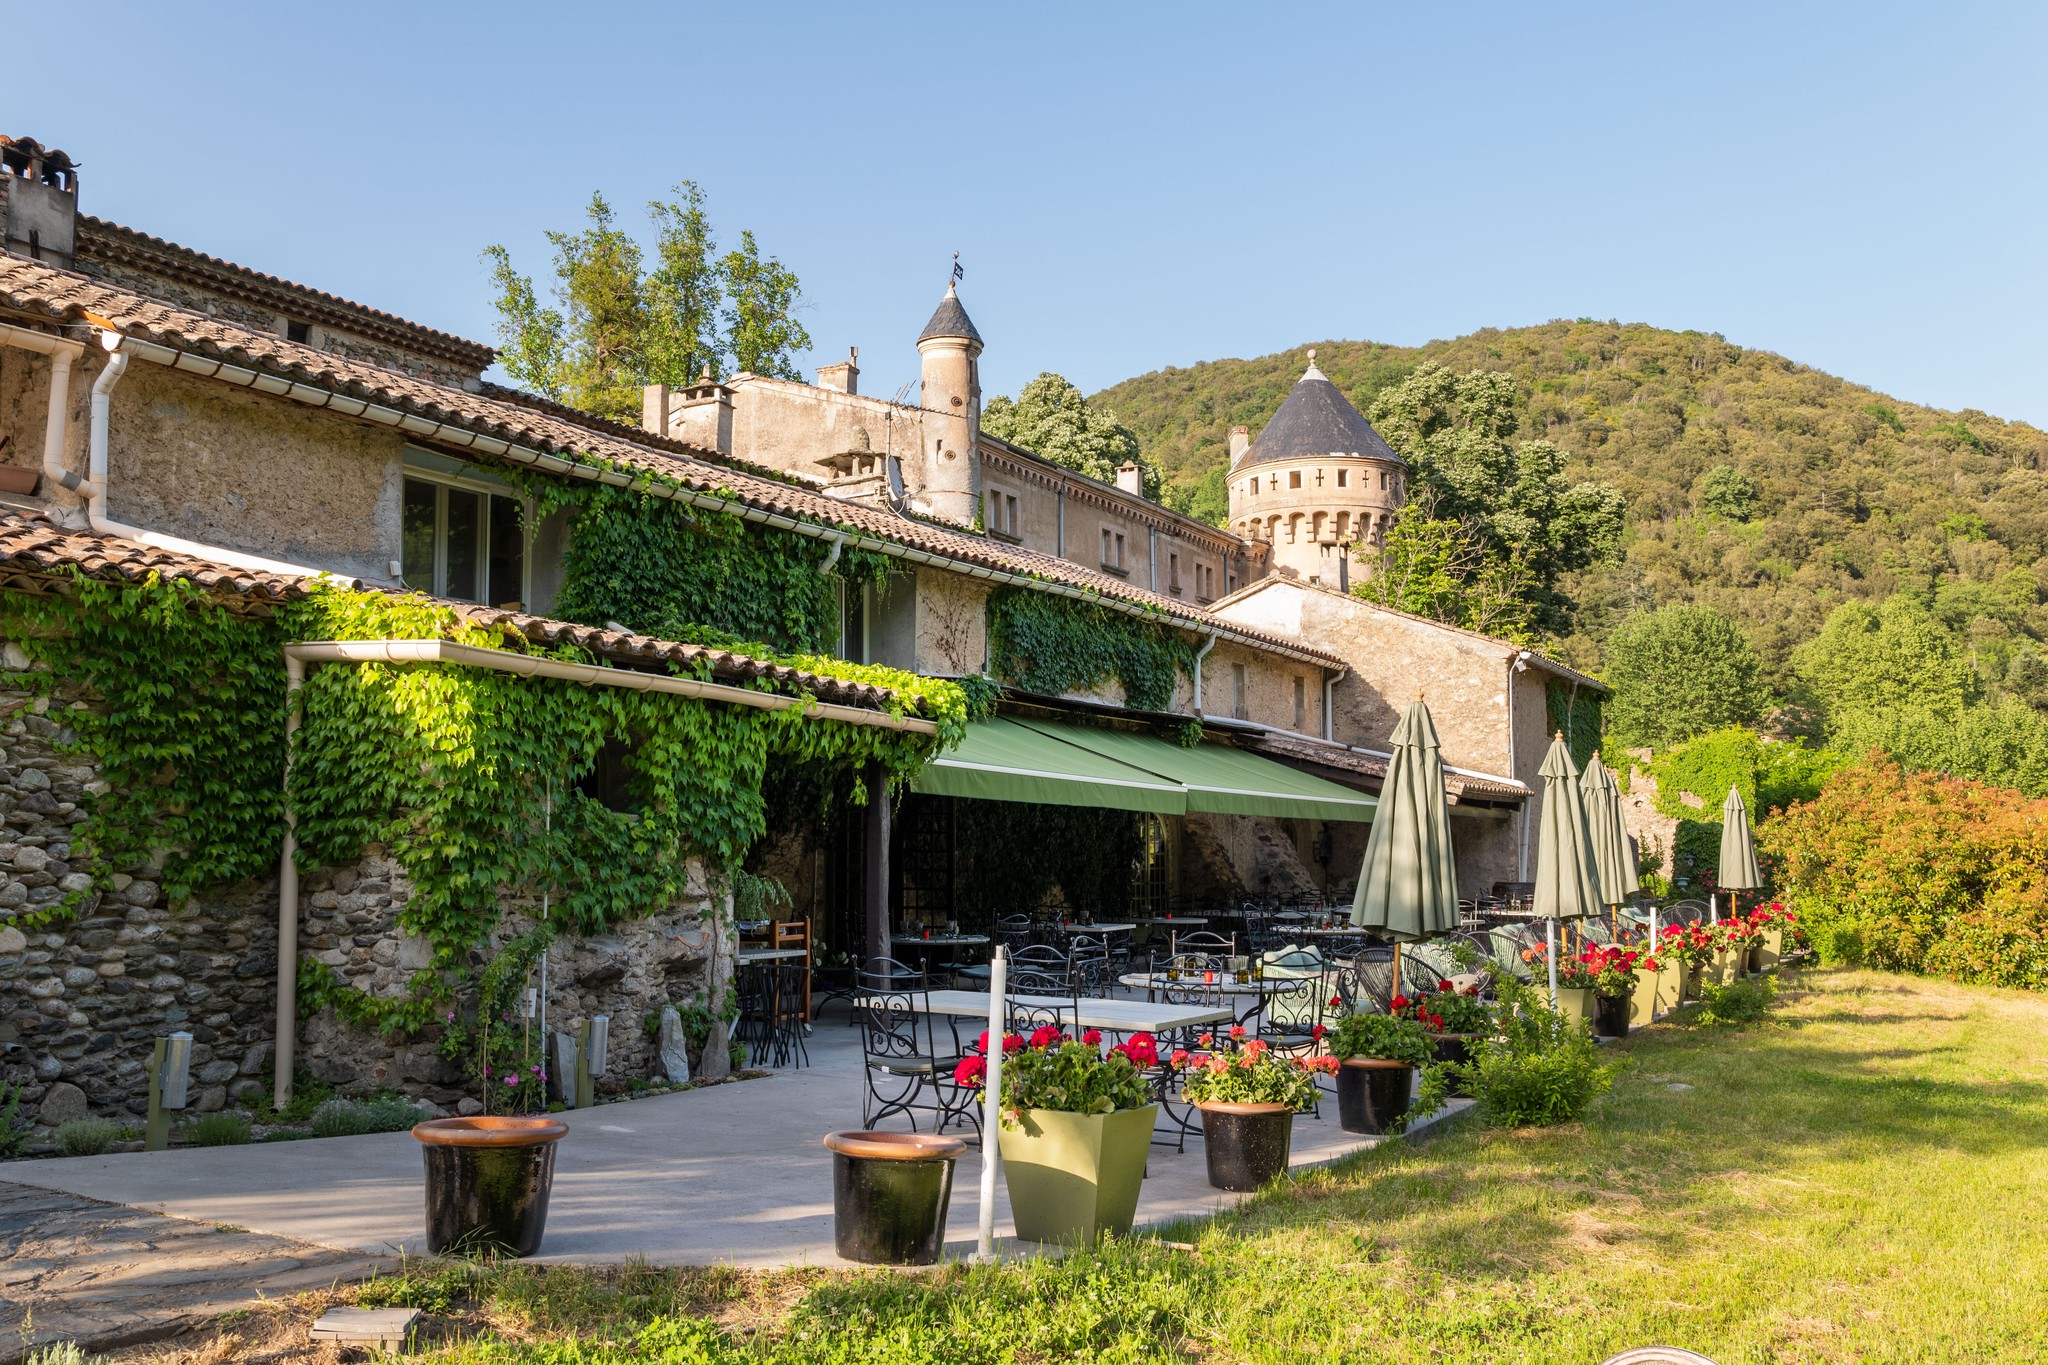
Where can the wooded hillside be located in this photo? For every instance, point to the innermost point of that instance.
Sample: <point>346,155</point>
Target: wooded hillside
<point>1844,493</point>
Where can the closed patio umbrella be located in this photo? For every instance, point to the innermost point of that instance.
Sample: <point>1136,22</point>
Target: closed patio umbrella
<point>1614,859</point>
<point>1407,886</point>
<point>1567,887</point>
<point>1738,870</point>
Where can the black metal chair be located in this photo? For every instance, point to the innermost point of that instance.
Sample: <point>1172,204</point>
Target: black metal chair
<point>901,1061</point>
<point>1053,1000</point>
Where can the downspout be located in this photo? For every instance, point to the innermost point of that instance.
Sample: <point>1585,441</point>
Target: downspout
<point>287,902</point>
<point>1516,665</point>
<point>57,426</point>
<point>1060,531</point>
<point>1207,644</point>
<point>1152,556</point>
<point>94,485</point>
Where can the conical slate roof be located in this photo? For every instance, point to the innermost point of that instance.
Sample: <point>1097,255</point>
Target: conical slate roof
<point>950,320</point>
<point>1316,420</point>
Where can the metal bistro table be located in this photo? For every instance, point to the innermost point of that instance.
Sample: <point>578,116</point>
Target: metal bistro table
<point>955,969</point>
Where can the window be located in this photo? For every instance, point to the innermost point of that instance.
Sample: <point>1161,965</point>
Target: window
<point>1173,573</point>
<point>1383,480</point>
<point>301,332</point>
<point>1237,701</point>
<point>611,781</point>
<point>1105,547</point>
<point>853,629</point>
<point>1253,486</point>
<point>463,543</point>
<point>1002,514</point>
<point>1294,478</point>
<point>1010,514</point>
<point>1300,703</point>
<point>1343,478</point>
<point>1112,550</point>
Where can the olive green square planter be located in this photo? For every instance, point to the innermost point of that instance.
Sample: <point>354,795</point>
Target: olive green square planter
<point>1642,1001</point>
<point>1575,1003</point>
<point>1723,968</point>
<point>1670,984</point>
<point>1073,1177</point>
<point>1773,948</point>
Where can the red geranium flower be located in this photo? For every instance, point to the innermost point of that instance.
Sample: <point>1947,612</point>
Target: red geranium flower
<point>1045,1035</point>
<point>1012,1043</point>
<point>1444,986</point>
<point>1093,1037</point>
<point>1237,1030</point>
<point>970,1071</point>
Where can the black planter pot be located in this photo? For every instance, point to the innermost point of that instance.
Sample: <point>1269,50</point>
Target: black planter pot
<point>1753,959</point>
<point>1247,1144</point>
<point>890,1192</point>
<point>1455,1049</point>
<point>1372,1094</point>
<point>1691,989</point>
<point>1610,1016</point>
<point>487,1182</point>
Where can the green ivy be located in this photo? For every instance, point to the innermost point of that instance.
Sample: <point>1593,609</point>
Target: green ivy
<point>1576,711</point>
<point>1052,645</point>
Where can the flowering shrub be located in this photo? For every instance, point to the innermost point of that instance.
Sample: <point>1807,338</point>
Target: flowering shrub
<point>1246,1071</point>
<point>1447,1009</point>
<point>1609,971</point>
<point>1739,933</point>
<point>1053,1071</point>
<point>1393,1037</point>
<point>1691,943</point>
<point>1913,872</point>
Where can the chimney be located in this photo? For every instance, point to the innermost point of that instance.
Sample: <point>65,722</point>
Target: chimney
<point>843,377</point>
<point>654,408</point>
<point>38,201</point>
<point>1130,478</point>
<point>1240,442</point>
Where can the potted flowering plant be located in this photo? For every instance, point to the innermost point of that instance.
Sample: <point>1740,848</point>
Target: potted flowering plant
<point>1574,985</point>
<point>1454,1017</point>
<point>1610,972</point>
<point>1248,1096</point>
<point>1692,945</point>
<point>1076,1128</point>
<point>1378,1056</point>
<point>1740,940</point>
<point>1773,921</point>
<point>1648,999</point>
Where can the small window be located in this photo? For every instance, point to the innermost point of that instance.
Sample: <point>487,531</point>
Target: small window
<point>1173,572</point>
<point>1010,513</point>
<point>463,543</point>
<point>1237,698</point>
<point>1343,478</point>
<point>611,781</point>
<point>1383,480</point>
<point>301,332</point>
<point>1106,561</point>
<point>1253,486</point>
<point>1294,478</point>
<point>1300,703</point>
<point>1119,561</point>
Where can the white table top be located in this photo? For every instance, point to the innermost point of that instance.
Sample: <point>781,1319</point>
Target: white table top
<point>747,955</point>
<point>1103,928</point>
<point>1153,981</point>
<point>1193,921</point>
<point>1118,1016</point>
<point>942,940</point>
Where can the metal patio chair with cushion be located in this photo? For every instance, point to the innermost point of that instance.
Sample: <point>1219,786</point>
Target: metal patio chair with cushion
<point>905,1070</point>
<point>1507,942</point>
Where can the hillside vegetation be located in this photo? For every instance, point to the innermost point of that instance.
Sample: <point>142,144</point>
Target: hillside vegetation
<point>1760,487</point>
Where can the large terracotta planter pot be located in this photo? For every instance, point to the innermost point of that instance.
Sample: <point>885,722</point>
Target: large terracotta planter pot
<point>1073,1177</point>
<point>1610,1015</point>
<point>1772,949</point>
<point>1372,1093</point>
<point>1247,1145</point>
<point>890,1192</point>
<point>1575,1003</point>
<point>488,1179</point>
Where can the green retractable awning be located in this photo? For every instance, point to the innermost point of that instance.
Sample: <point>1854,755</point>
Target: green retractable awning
<point>1001,760</point>
<point>1048,763</point>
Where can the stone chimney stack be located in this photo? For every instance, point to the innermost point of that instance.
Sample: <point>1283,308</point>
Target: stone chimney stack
<point>1131,478</point>
<point>843,377</point>
<point>38,201</point>
<point>1240,442</point>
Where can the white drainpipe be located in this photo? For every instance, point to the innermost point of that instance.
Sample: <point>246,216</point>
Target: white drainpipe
<point>94,485</point>
<point>1201,654</point>
<point>1516,665</point>
<point>62,351</point>
<point>1330,681</point>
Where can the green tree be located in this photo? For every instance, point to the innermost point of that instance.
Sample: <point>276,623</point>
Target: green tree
<point>1444,569</point>
<point>1678,672</point>
<point>1051,418</point>
<point>1458,430</point>
<point>615,326</point>
<point>1727,491</point>
<point>1894,657</point>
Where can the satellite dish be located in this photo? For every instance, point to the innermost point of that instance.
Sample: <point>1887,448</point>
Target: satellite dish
<point>893,471</point>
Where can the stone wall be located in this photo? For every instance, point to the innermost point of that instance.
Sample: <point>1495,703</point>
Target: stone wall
<point>84,996</point>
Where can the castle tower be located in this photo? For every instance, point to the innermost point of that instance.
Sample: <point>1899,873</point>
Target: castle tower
<point>1317,481</point>
<point>950,484</point>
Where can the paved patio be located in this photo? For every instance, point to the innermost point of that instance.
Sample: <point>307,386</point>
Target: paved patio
<point>732,1173</point>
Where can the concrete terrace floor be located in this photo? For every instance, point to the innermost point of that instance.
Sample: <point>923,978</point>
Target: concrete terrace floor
<point>729,1174</point>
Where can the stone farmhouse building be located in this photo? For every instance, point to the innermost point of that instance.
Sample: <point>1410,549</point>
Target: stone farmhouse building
<point>167,414</point>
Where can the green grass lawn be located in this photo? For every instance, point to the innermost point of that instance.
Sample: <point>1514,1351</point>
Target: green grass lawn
<point>1862,1178</point>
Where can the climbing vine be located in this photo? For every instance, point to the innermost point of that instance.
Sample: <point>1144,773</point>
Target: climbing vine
<point>1050,645</point>
<point>1576,712</point>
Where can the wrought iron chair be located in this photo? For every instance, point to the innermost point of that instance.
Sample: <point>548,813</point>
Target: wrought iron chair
<point>1372,979</point>
<point>901,1062</point>
<point>1055,1002</point>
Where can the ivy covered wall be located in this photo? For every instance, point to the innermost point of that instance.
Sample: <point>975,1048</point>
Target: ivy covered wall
<point>1051,645</point>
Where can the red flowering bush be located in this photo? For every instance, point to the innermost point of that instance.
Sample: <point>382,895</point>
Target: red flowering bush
<point>1691,943</point>
<point>1739,933</point>
<point>1053,1071</point>
<point>1608,971</point>
<point>1447,1009</point>
<point>1248,1072</point>
<point>1914,872</point>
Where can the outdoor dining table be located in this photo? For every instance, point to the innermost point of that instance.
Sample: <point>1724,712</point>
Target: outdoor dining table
<point>1104,927</point>
<point>1111,1016</point>
<point>1191,921</point>
<point>749,956</point>
<point>1258,988</point>
<point>943,940</point>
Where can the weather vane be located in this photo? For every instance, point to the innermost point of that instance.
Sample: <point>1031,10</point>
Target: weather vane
<point>958,273</point>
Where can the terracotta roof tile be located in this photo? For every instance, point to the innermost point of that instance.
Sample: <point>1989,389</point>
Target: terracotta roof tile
<point>1343,758</point>
<point>36,555</point>
<point>31,287</point>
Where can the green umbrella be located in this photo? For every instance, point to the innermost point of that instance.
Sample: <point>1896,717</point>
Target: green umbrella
<point>1738,870</point>
<point>1567,887</point>
<point>1407,886</point>
<point>1614,860</point>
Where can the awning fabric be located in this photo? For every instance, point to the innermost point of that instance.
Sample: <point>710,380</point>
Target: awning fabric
<point>1053,764</point>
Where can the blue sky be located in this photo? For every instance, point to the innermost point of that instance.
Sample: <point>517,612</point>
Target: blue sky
<point>1860,187</point>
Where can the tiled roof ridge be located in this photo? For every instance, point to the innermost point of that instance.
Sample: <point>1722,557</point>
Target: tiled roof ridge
<point>100,238</point>
<point>31,286</point>
<point>1336,754</point>
<point>36,546</point>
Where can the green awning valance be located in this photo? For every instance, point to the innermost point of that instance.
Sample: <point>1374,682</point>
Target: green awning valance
<point>1049,763</point>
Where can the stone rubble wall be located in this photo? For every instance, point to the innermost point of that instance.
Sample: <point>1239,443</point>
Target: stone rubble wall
<point>84,996</point>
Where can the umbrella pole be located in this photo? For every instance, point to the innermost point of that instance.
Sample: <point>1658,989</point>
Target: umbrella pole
<point>1397,966</point>
<point>1550,956</point>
